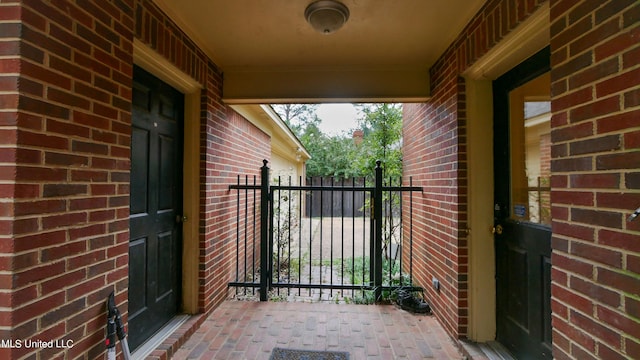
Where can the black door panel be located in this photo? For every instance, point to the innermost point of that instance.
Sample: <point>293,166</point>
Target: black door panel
<point>523,253</point>
<point>155,202</point>
<point>523,243</point>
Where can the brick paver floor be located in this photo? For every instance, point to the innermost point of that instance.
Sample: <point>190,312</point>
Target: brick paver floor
<point>250,330</point>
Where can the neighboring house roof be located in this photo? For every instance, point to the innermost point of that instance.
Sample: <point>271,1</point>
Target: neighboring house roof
<point>283,141</point>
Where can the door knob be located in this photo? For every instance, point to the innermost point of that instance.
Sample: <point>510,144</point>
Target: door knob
<point>181,219</point>
<point>497,229</point>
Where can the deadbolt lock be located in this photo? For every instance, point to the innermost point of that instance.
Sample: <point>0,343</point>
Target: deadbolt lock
<point>497,229</point>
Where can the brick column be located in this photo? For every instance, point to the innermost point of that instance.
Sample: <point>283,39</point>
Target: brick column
<point>66,185</point>
<point>595,178</point>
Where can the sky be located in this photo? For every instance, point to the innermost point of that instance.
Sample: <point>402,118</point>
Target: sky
<point>337,118</point>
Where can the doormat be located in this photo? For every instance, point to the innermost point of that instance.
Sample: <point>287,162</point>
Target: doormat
<point>290,354</point>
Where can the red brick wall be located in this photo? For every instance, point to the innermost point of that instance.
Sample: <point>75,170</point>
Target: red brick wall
<point>596,178</point>
<point>233,147</point>
<point>435,155</point>
<point>64,159</point>
<point>65,191</point>
<point>153,28</point>
<point>9,155</point>
<point>432,155</point>
<point>9,190</point>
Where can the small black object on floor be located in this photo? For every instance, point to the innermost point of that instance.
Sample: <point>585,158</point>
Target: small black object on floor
<point>292,354</point>
<point>407,301</point>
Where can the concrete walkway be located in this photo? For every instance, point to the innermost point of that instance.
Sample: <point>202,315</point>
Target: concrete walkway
<point>250,330</point>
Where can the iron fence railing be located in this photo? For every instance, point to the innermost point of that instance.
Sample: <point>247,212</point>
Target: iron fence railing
<point>363,253</point>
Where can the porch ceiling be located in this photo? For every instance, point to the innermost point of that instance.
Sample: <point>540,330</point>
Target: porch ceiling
<point>269,53</point>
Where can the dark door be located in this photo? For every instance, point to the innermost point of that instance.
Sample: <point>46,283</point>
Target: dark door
<point>155,206</point>
<point>522,208</point>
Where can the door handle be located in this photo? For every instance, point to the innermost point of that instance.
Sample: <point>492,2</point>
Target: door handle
<point>497,229</point>
<point>181,219</point>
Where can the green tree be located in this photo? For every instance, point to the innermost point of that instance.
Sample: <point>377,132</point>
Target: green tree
<point>330,155</point>
<point>382,127</point>
<point>338,155</point>
<point>297,116</point>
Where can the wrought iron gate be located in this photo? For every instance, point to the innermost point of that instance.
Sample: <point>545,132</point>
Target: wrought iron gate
<point>369,251</point>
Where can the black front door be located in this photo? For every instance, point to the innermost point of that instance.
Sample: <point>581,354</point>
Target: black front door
<point>522,208</point>
<point>155,206</point>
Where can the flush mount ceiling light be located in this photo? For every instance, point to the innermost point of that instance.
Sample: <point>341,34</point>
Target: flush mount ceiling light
<point>326,16</point>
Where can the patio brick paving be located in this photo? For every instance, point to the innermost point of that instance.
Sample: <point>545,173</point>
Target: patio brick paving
<point>250,330</point>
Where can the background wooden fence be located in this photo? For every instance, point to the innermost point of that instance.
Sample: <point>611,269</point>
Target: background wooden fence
<point>329,203</point>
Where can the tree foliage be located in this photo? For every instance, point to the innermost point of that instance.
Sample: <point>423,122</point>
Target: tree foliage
<point>297,116</point>
<point>330,155</point>
<point>382,127</point>
<point>339,155</point>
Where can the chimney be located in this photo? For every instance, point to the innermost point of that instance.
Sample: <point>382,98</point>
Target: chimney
<point>358,136</point>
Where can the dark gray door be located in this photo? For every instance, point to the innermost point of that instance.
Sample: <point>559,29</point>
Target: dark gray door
<point>522,208</point>
<point>155,206</point>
